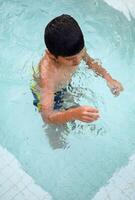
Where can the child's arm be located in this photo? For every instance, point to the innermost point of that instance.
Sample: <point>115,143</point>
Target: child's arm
<point>114,85</point>
<point>82,113</point>
<point>47,90</point>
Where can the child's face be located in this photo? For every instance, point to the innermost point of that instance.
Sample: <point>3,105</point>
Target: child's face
<point>71,60</point>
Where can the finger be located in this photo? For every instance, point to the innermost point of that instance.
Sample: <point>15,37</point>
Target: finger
<point>93,110</point>
<point>92,115</point>
<point>89,119</point>
<point>120,88</point>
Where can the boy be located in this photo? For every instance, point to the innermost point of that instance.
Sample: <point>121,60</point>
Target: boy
<point>65,50</point>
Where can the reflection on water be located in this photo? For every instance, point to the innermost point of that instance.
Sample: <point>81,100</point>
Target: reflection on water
<point>57,135</point>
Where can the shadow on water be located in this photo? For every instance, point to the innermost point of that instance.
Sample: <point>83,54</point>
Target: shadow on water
<point>57,135</point>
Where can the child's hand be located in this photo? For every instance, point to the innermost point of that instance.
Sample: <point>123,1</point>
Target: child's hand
<point>86,114</point>
<point>115,87</point>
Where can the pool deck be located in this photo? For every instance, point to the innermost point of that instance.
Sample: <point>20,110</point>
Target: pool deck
<point>15,183</point>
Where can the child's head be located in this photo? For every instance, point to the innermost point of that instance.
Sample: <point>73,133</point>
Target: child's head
<point>63,36</point>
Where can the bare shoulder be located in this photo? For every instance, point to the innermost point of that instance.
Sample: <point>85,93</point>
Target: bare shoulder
<point>43,66</point>
<point>46,74</point>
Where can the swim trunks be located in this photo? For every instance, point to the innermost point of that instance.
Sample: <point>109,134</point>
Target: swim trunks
<point>58,98</point>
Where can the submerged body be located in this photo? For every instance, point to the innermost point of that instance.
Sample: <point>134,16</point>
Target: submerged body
<point>65,50</point>
<point>55,74</point>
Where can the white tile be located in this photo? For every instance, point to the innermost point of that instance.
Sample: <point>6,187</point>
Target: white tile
<point>14,164</point>
<point>28,195</point>
<point>19,196</point>
<point>1,152</point>
<point>47,197</point>
<point>2,164</point>
<point>118,183</point>
<point>10,194</point>
<point>101,195</point>
<point>7,171</point>
<point>114,193</point>
<point>26,180</point>
<point>36,190</point>
<point>2,179</point>
<point>7,159</point>
<point>5,187</point>
<point>21,186</point>
<point>17,177</point>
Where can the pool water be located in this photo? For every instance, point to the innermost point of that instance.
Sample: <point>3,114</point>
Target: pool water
<point>69,161</point>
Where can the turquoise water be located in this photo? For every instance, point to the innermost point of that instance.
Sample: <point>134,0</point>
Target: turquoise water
<point>72,161</point>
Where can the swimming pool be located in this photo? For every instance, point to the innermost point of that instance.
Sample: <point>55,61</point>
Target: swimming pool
<point>74,161</point>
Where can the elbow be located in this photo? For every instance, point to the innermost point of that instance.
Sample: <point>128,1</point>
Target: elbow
<point>58,117</point>
<point>49,118</point>
<point>46,118</point>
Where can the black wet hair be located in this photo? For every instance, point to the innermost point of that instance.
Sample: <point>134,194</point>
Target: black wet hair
<point>63,36</point>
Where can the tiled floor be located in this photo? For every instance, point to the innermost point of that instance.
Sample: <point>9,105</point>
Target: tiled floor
<point>15,184</point>
<point>121,186</point>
